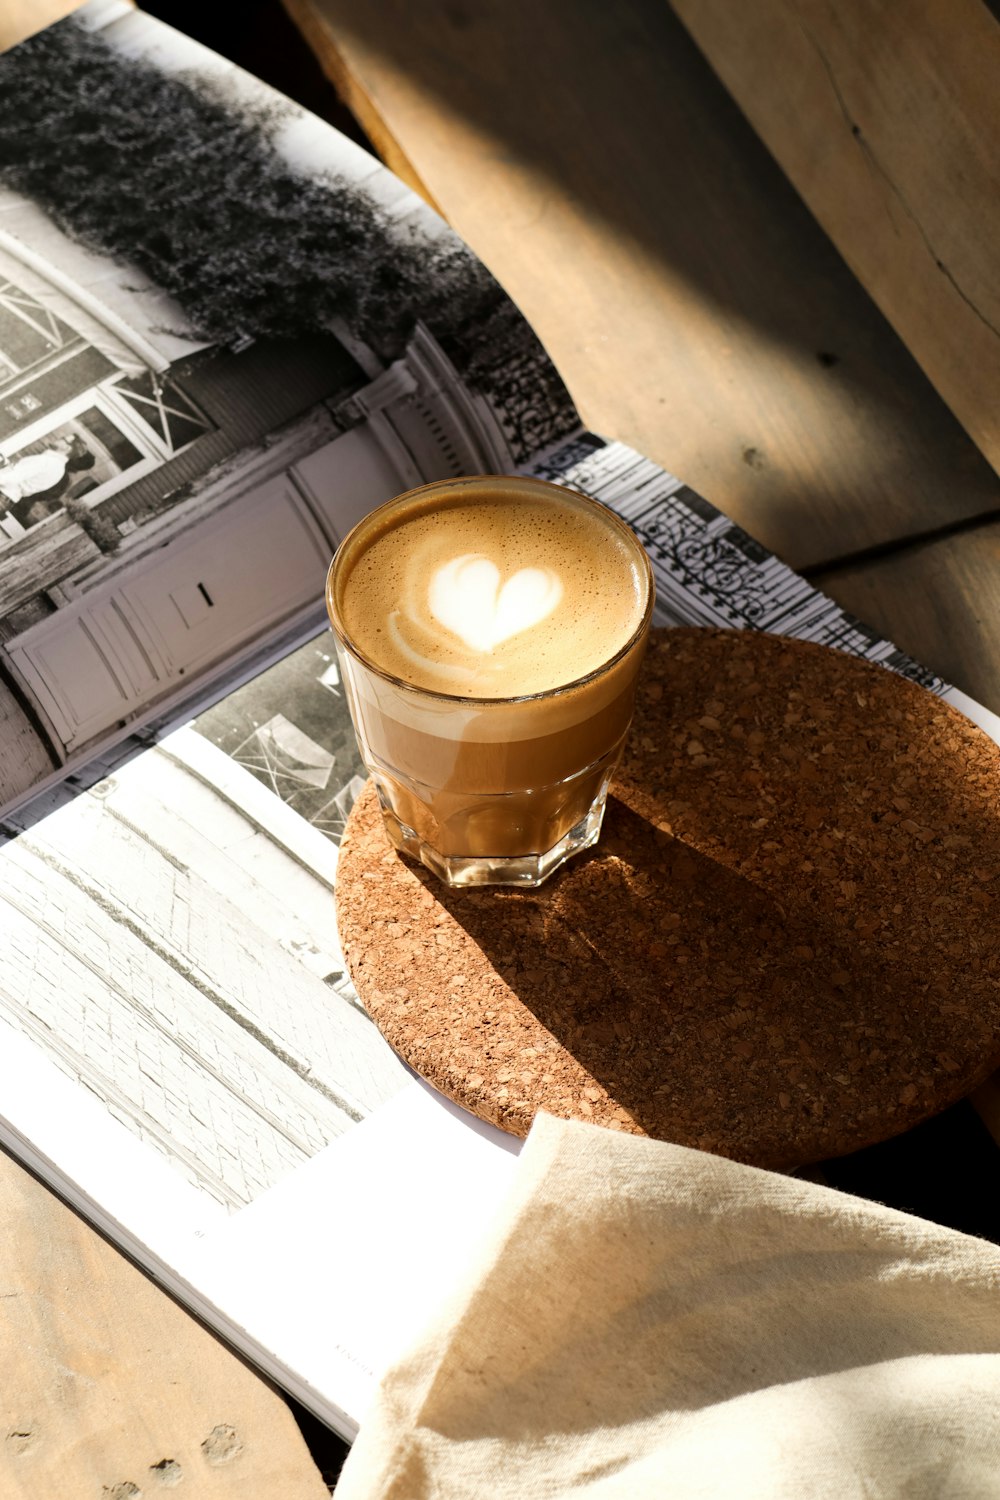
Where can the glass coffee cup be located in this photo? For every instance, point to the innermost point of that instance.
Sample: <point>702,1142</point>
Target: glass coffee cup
<point>490,631</point>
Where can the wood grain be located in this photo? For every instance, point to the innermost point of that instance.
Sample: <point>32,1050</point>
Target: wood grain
<point>887,120</point>
<point>588,155</point>
<point>110,1390</point>
<point>940,601</point>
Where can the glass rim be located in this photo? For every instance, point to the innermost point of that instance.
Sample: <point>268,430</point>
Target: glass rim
<point>475,481</point>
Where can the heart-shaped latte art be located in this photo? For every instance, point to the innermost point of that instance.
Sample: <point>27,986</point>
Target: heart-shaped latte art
<point>467,597</point>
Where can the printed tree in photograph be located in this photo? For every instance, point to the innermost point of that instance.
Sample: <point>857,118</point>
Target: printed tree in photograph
<point>157,170</point>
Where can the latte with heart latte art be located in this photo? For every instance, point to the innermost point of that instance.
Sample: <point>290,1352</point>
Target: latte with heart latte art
<point>503,597</point>
<point>489,632</point>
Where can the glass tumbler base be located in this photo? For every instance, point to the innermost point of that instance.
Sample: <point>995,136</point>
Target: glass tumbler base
<point>523,870</point>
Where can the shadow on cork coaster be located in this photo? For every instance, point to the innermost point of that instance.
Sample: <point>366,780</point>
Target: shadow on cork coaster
<point>783,948</point>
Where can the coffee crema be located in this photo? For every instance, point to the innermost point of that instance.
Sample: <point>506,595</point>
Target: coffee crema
<point>503,596</point>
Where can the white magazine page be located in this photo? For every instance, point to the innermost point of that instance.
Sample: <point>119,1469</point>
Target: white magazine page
<point>183,1055</point>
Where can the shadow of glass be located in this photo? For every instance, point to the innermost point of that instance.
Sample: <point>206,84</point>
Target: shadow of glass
<point>715,1011</point>
<point>781,949</point>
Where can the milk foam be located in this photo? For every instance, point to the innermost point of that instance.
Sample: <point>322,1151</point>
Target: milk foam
<point>493,598</point>
<point>467,596</point>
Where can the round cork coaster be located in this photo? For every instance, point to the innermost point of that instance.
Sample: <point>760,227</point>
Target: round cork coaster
<point>784,947</point>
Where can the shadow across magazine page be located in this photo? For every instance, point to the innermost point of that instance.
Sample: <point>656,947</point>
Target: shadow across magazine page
<point>226,333</point>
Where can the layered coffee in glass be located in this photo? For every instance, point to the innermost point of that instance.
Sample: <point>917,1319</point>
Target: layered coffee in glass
<point>489,632</point>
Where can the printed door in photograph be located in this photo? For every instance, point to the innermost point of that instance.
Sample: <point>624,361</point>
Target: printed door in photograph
<point>347,478</point>
<point>221,586</point>
<point>218,587</point>
<point>230,579</point>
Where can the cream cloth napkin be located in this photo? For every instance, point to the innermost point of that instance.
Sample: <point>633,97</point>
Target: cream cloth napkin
<point>647,1320</point>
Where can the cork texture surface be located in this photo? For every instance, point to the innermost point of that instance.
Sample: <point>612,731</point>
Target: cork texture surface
<point>784,947</point>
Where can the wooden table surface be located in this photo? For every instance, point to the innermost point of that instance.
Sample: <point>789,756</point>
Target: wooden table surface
<point>591,158</point>
<point>587,153</point>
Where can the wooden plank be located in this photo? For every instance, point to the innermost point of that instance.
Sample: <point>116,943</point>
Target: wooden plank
<point>939,600</point>
<point>586,152</point>
<point>887,120</point>
<point>351,89</point>
<point>22,18</point>
<point>110,1389</point>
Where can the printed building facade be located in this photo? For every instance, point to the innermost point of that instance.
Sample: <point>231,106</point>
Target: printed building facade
<point>132,582</point>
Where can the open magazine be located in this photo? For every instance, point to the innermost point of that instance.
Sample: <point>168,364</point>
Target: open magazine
<point>225,334</point>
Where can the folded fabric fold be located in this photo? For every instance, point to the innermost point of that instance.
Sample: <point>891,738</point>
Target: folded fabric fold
<point>648,1320</point>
